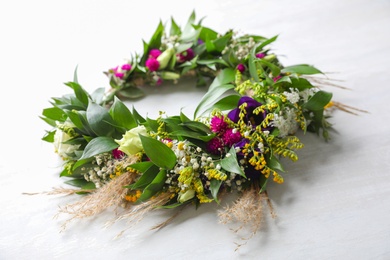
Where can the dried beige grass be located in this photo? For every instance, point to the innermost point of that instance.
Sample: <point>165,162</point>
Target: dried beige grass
<point>246,213</point>
<point>111,194</point>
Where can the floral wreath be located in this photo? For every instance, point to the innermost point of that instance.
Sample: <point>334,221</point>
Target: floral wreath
<point>241,129</point>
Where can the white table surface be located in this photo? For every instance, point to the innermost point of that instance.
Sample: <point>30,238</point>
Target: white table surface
<point>335,202</point>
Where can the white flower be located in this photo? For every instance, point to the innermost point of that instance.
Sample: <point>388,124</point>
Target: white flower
<point>64,150</point>
<point>292,96</point>
<point>130,143</point>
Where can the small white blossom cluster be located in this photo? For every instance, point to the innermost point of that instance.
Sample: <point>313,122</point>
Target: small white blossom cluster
<point>286,122</point>
<point>292,96</point>
<point>307,93</point>
<point>240,50</point>
<point>100,174</point>
<point>168,42</point>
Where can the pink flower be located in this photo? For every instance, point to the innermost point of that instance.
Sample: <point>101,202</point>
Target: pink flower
<point>152,64</point>
<point>154,53</point>
<point>218,124</point>
<point>159,81</point>
<point>126,67</point>
<point>215,145</point>
<point>231,137</point>
<point>117,153</point>
<point>119,75</point>
<point>241,67</point>
<point>260,55</point>
<point>277,78</point>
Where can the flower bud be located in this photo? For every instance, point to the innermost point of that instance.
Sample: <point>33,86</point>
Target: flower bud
<point>164,58</point>
<point>170,75</point>
<point>183,197</point>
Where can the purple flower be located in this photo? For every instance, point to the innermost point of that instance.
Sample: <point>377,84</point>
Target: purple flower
<point>241,67</point>
<point>251,105</point>
<point>218,124</point>
<point>126,67</point>
<point>231,137</point>
<point>152,64</point>
<point>154,53</point>
<point>260,55</point>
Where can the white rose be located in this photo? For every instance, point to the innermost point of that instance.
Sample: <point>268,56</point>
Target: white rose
<point>60,137</point>
<point>130,143</point>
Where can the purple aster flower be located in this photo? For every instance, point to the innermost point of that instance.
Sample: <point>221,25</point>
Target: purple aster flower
<point>126,67</point>
<point>152,64</point>
<point>251,105</point>
<point>200,42</point>
<point>231,137</point>
<point>215,145</point>
<point>154,53</point>
<point>218,124</point>
<point>241,67</point>
<point>260,55</point>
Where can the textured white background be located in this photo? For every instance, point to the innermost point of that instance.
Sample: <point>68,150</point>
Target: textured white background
<point>335,203</point>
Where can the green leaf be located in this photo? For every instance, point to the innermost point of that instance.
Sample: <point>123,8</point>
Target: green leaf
<point>49,136</point>
<point>159,153</point>
<point>265,43</point>
<point>252,63</point>
<point>75,78</point>
<point>154,187</point>
<point>99,145</point>
<point>54,113</point>
<point>230,163</point>
<point>131,93</point>
<point>98,95</point>
<point>273,163</point>
<point>141,166</point>
<point>138,117</point>
<point>198,126</point>
<point>318,101</point>
<point>215,185</point>
<point>80,93</point>
<point>122,115</point>
<point>275,70</point>
<point>146,178</point>
<point>175,29</point>
<point>300,83</point>
<point>77,182</point>
<point>227,103</point>
<point>210,97</point>
<point>301,69</point>
<point>99,120</point>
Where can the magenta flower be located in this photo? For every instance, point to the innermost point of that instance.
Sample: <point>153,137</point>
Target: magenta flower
<point>119,75</point>
<point>231,137</point>
<point>117,153</point>
<point>154,53</point>
<point>218,124</point>
<point>241,67</point>
<point>260,55</point>
<point>152,64</point>
<point>186,55</point>
<point>277,78</point>
<point>215,145</point>
<point>126,67</point>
